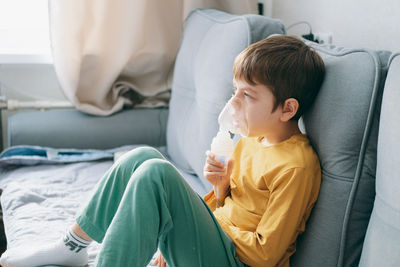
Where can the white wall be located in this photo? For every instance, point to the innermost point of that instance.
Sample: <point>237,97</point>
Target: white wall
<point>354,23</point>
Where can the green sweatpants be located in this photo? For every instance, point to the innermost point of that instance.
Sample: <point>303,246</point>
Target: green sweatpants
<point>143,202</point>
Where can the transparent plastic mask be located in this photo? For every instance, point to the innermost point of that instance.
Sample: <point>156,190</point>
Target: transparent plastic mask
<point>233,117</point>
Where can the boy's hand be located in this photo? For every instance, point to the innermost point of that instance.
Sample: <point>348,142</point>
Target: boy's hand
<point>217,174</point>
<point>160,261</point>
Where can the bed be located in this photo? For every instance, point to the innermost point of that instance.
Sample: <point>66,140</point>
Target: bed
<point>43,189</point>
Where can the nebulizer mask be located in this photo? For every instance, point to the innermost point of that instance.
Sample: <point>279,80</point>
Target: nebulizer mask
<point>231,119</point>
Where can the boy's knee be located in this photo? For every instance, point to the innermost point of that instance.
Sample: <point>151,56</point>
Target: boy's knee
<point>157,169</point>
<point>156,165</point>
<point>138,156</point>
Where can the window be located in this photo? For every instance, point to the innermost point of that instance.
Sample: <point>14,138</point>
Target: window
<point>24,27</point>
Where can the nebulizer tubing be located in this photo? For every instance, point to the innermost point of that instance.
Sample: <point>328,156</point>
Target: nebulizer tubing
<point>231,119</point>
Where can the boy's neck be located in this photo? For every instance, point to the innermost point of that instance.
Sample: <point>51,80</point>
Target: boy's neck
<point>281,134</point>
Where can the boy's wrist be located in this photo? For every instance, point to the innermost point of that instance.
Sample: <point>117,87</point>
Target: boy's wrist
<point>223,193</point>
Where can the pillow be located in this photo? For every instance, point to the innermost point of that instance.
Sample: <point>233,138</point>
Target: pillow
<point>343,126</point>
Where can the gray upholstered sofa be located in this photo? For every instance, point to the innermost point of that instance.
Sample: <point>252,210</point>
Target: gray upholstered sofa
<point>356,219</point>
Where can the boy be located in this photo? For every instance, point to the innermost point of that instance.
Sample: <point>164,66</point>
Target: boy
<point>268,195</point>
<point>266,192</point>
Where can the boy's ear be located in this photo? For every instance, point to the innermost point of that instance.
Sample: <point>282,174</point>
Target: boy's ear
<point>289,109</point>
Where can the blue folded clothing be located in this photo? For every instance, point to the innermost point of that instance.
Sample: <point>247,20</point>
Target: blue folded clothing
<point>34,155</point>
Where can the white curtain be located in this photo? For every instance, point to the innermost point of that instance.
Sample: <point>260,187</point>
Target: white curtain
<point>108,53</point>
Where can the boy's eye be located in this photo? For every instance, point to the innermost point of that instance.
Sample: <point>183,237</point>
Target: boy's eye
<point>246,94</point>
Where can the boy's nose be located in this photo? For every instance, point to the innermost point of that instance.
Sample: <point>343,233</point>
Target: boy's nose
<point>236,102</point>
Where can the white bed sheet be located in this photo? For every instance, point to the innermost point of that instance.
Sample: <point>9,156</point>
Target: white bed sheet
<point>40,202</point>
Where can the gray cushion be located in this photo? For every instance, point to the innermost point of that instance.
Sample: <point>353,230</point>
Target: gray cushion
<point>382,242</point>
<point>203,79</point>
<point>70,128</point>
<point>342,126</point>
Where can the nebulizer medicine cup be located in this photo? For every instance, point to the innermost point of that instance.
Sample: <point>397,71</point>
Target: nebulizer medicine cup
<point>222,147</point>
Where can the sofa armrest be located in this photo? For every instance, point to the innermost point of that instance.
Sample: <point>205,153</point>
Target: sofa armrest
<point>68,128</point>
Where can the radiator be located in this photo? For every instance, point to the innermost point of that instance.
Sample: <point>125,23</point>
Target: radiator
<point>12,104</point>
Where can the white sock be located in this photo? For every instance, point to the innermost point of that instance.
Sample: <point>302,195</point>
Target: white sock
<point>71,250</point>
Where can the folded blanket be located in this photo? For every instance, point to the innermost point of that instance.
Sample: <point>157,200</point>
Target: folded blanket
<point>35,155</point>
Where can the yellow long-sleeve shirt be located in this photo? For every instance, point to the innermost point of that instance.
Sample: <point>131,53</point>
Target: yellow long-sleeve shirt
<point>273,189</point>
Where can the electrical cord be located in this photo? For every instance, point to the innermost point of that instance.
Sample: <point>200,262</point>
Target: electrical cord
<point>309,36</point>
<point>298,23</point>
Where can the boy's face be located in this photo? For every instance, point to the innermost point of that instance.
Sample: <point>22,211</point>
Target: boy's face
<point>256,102</point>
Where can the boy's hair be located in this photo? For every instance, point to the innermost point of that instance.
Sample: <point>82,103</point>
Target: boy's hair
<point>286,65</point>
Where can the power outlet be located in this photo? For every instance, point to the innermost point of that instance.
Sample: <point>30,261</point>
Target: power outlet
<point>323,37</point>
